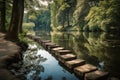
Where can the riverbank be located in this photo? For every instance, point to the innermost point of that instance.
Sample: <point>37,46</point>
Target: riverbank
<point>10,53</point>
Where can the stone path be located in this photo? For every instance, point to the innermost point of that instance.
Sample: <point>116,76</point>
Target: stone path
<point>83,70</point>
<point>9,53</point>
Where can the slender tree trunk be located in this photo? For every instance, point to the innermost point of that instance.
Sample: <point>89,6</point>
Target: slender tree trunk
<point>21,7</point>
<point>3,14</point>
<point>68,23</point>
<point>63,20</point>
<point>14,24</point>
<point>27,15</point>
<point>0,14</point>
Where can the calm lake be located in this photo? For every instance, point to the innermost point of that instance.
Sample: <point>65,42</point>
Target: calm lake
<point>99,49</point>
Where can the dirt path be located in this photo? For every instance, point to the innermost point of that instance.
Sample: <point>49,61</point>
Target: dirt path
<point>9,53</point>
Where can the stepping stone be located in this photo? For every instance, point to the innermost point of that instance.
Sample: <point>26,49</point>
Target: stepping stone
<point>86,68</point>
<point>44,41</point>
<point>40,41</point>
<point>74,63</point>
<point>62,52</point>
<point>48,44</point>
<point>30,36</point>
<point>54,50</point>
<point>36,38</point>
<point>96,75</point>
<point>66,57</point>
<point>52,46</point>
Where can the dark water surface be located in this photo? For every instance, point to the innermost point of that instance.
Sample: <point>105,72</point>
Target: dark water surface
<point>99,49</point>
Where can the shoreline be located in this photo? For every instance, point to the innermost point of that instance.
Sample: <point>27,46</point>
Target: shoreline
<point>10,53</point>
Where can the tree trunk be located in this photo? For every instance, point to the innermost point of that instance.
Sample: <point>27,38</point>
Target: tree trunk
<point>21,7</point>
<point>14,24</point>
<point>3,11</point>
<point>68,23</point>
<point>0,14</point>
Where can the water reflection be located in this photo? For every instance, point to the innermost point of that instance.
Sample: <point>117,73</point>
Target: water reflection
<point>53,71</point>
<point>31,66</point>
<point>100,49</point>
<point>39,64</point>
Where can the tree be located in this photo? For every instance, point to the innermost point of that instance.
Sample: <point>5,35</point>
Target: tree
<point>105,16</point>
<point>3,15</point>
<point>62,14</point>
<point>21,6</point>
<point>16,19</point>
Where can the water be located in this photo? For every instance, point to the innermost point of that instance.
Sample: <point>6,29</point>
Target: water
<point>99,49</point>
<point>38,64</point>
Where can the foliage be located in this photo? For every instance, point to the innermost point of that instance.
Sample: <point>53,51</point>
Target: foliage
<point>28,26</point>
<point>32,18</point>
<point>105,16</point>
<point>81,10</point>
<point>61,13</point>
<point>92,15</point>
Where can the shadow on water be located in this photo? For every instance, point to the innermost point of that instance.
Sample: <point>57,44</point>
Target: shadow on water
<point>99,49</point>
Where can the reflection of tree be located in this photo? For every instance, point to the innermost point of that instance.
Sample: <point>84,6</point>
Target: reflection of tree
<point>75,42</point>
<point>60,38</point>
<point>100,49</point>
<point>106,48</point>
<point>49,78</point>
<point>31,63</point>
<point>64,78</point>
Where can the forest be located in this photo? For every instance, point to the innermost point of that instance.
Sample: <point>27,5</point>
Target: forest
<point>89,29</point>
<point>85,15</point>
<point>59,15</point>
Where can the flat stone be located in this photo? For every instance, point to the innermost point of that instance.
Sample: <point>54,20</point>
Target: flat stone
<point>48,44</point>
<point>50,47</point>
<point>58,48</point>
<point>54,50</point>
<point>30,36</point>
<point>44,41</point>
<point>96,75</point>
<point>36,38</point>
<point>66,57</point>
<point>74,63</point>
<point>62,52</point>
<point>40,41</point>
<point>81,70</point>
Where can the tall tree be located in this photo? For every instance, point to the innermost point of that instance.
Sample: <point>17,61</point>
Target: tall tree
<point>21,10</point>
<point>3,11</point>
<point>15,20</point>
